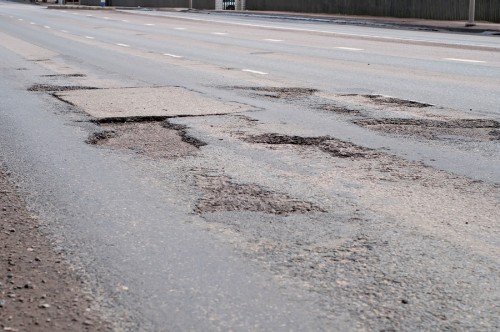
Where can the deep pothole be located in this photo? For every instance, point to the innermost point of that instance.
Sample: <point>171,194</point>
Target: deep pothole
<point>55,88</point>
<point>332,146</point>
<point>475,129</point>
<point>286,93</point>
<point>153,139</point>
<point>386,100</point>
<point>221,194</point>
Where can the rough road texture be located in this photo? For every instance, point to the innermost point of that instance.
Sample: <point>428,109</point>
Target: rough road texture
<point>38,291</point>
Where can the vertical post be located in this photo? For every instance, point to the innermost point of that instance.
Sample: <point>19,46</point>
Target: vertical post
<point>190,4</point>
<point>472,13</point>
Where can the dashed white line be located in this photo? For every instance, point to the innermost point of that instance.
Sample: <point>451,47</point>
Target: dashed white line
<point>89,37</point>
<point>180,28</point>
<point>349,48</point>
<point>124,45</point>
<point>125,21</point>
<point>20,19</point>
<point>254,71</point>
<point>89,15</point>
<point>106,18</point>
<point>273,40</point>
<point>64,31</point>
<point>464,60</point>
<point>149,24</point>
<point>219,33</point>
<point>46,27</point>
<point>32,23</point>
<point>172,55</point>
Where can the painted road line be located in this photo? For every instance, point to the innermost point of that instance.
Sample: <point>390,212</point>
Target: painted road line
<point>124,45</point>
<point>219,33</point>
<point>46,27</point>
<point>149,24</point>
<point>464,60</point>
<point>172,55</point>
<point>32,23</point>
<point>273,40</point>
<point>180,28</point>
<point>89,37</point>
<point>64,31</point>
<point>125,21</point>
<point>106,18</point>
<point>20,19</point>
<point>254,71</point>
<point>349,48</point>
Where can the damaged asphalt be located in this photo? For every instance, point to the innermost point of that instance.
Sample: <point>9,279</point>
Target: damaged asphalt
<point>260,204</point>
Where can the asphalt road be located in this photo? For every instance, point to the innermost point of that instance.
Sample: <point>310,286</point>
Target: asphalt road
<point>237,235</point>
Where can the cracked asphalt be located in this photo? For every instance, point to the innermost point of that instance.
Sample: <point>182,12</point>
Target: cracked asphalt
<point>229,174</point>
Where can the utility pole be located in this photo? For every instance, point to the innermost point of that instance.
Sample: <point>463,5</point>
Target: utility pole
<point>472,13</point>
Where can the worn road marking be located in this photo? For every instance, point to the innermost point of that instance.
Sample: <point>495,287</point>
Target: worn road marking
<point>464,60</point>
<point>46,27</point>
<point>20,19</point>
<point>172,55</point>
<point>124,45</point>
<point>32,23</point>
<point>64,31</point>
<point>106,18</point>
<point>349,48</point>
<point>125,21</point>
<point>254,71</point>
<point>180,28</point>
<point>273,40</point>
<point>219,33</point>
<point>149,24</point>
<point>89,15</point>
<point>89,37</point>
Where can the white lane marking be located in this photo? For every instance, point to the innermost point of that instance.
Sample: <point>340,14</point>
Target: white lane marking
<point>180,28</point>
<point>172,55</point>
<point>149,24</point>
<point>277,27</point>
<point>89,37</point>
<point>64,31</point>
<point>46,27</point>
<point>32,23</point>
<point>219,33</point>
<point>20,19</point>
<point>124,45</point>
<point>106,18</point>
<point>125,21</point>
<point>349,48</point>
<point>273,40</point>
<point>254,71</point>
<point>89,15</point>
<point>464,60</point>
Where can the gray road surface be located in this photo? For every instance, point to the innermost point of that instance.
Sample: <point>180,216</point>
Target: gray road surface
<point>244,233</point>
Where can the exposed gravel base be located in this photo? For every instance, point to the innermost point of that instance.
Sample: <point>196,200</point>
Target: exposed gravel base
<point>222,194</point>
<point>54,88</point>
<point>151,139</point>
<point>476,129</point>
<point>38,290</point>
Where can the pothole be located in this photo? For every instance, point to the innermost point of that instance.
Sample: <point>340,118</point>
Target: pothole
<point>157,140</point>
<point>277,92</point>
<point>54,88</point>
<point>64,75</point>
<point>221,194</point>
<point>337,109</point>
<point>476,129</point>
<point>385,100</point>
<point>332,146</point>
